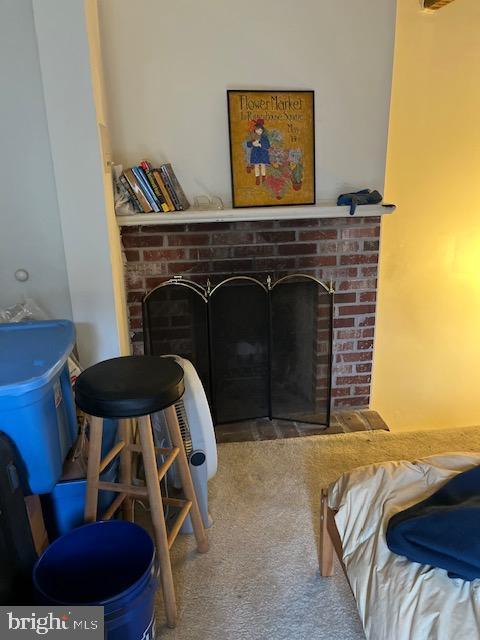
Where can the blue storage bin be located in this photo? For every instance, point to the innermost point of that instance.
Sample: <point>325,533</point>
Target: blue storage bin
<point>36,401</point>
<point>63,508</point>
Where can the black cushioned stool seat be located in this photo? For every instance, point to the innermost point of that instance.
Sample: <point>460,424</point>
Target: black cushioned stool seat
<point>130,386</point>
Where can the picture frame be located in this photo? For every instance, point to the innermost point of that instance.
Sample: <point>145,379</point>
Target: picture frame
<point>272,147</point>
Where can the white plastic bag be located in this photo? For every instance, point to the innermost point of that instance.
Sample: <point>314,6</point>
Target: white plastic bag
<point>26,310</point>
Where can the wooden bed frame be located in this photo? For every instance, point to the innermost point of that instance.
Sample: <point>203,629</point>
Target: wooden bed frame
<point>330,542</point>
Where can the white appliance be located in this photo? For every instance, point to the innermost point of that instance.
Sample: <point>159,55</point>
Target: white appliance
<point>198,436</point>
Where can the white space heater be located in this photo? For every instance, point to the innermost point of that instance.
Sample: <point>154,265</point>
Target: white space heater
<point>198,436</point>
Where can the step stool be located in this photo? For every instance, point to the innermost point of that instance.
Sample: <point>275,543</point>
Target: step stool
<point>136,387</point>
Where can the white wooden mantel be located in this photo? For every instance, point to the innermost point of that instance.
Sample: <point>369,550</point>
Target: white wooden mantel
<point>305,212</point>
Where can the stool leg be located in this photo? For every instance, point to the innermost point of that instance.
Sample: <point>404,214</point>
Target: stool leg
<point>94,455</point>
<point>187,484</point>
<point>158,521</point>
<point>125,432</point>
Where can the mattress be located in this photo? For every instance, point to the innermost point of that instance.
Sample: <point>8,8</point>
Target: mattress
<point>398,599</point>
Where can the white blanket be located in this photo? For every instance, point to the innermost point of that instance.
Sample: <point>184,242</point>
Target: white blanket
<point>398,599</point>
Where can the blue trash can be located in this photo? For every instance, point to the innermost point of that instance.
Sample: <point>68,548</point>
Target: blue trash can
<point>37,409</point>
<point>109,564</point>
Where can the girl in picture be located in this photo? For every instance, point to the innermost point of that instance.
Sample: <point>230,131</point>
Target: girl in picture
<point>259,155</point>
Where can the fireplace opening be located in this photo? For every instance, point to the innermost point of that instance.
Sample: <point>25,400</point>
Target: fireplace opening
<point>239,350</point>
<point>301,335</point>
<point>261,348</point>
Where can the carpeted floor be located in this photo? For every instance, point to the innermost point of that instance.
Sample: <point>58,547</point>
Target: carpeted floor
<point>260,580</point>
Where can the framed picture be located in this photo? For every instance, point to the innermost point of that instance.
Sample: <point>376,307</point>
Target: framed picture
<point>272,147</point>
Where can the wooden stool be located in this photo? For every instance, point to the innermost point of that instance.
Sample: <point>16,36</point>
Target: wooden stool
<point>135,387</point>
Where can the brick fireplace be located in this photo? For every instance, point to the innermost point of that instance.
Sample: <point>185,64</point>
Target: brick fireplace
<point>341,250</point>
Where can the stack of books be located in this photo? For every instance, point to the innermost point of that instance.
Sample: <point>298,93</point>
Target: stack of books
<point>153,189</point>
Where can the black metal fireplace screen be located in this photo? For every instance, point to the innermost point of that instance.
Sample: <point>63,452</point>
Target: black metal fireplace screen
<point>261,349</point>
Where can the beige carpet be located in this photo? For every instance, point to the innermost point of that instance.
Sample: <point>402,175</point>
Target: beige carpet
<point>260,579</point>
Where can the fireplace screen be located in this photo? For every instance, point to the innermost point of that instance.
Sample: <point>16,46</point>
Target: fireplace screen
<point>260,349</point>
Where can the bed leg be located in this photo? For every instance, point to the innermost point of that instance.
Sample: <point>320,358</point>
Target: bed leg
<point>326,549</point>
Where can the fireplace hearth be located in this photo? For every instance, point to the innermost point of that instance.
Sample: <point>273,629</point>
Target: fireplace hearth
<point>262,347</point>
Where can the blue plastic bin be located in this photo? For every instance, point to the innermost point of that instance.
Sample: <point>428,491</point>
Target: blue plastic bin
<point>63,508</point>
<point>36,401</point>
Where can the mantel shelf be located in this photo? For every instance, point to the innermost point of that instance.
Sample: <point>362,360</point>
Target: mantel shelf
<point>192,216</point>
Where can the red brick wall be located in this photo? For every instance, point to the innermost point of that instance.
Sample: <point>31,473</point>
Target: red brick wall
<point>342,250</point>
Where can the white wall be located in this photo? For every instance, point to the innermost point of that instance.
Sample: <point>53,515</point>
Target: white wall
<point>427,346</point>
<point>30,231</point>
<point>168,66</point>
<point>90,234</point>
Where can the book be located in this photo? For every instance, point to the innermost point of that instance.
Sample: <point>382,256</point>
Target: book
<point>146,188</point>
<point>176,191</point>
<point>153,189</point>
<point>148,170</point>
<point>163,188</point>
<point>135,186</point>
<point>169,187</point>
<point>131,196</point>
